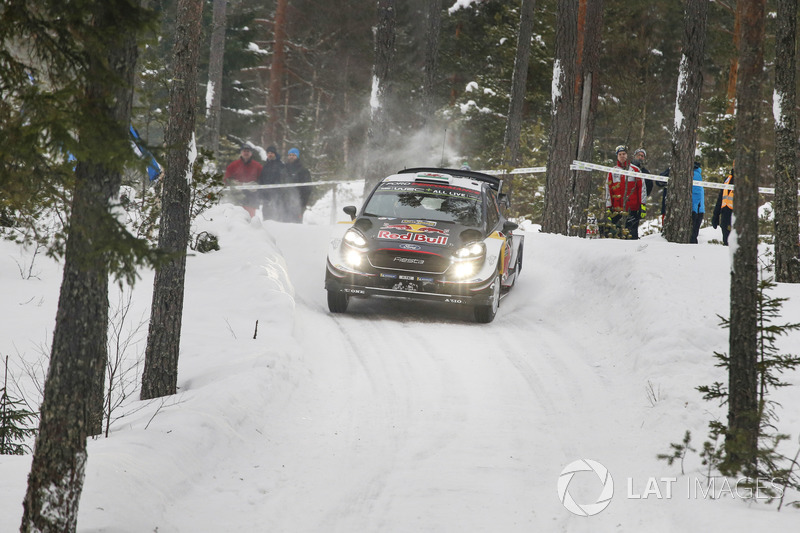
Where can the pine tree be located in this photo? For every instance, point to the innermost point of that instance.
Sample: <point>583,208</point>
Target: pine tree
<point>15,422</point>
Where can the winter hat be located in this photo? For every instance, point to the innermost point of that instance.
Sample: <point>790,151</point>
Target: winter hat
<point>294,151</point>
<point>272,149</point>
<point>640,151</point>
<point>620,148</point>
<point>247,146</point>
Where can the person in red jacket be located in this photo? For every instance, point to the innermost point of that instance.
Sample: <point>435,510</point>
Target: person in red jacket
<point>625,196</point>
<point>244,170</point>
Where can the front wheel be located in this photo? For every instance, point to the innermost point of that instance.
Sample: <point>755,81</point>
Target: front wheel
<point>486,313</point>
<point>337,301</point>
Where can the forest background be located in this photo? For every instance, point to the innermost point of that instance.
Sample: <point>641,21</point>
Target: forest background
<point>323,78</point>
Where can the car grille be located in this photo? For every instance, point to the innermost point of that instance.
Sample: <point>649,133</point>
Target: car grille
<point>407,260</point>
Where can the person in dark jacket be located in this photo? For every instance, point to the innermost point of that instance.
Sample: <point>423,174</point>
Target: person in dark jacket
<point>723,210</point>
<point>639,158</point>
<point>272,173</point>
<point>296,197</point>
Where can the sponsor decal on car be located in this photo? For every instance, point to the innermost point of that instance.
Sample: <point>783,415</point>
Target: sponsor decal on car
<point>409,260</point>
<point>415,227</point>
<point>420,278</point>
<point>390,276</point>
<point>409,278</point>
<point>405,246</point>
<point>423,222</point>
<point>413,237</point>
<point>355,291</point>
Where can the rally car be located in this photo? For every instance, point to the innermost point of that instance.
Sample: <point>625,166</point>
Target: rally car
<point>429,234</point>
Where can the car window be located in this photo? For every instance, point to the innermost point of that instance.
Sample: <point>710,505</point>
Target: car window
<point>492,211</point>
<point>426,202</point>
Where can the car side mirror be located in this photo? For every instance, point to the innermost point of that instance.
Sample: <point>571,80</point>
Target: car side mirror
<point>509,226</point>
<point>350,210</point>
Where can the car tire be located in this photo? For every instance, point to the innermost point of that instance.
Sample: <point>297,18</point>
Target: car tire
<point>486,313</point>
<point>337,301</point>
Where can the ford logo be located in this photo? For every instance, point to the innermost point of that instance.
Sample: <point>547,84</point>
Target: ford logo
<point>409,247</point>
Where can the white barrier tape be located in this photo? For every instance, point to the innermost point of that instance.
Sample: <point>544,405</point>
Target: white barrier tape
<point>531,170</point>
<point>287,185</point>
<point>581,165</point>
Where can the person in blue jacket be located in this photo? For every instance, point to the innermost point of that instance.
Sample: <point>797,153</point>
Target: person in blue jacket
<point>698,203</point>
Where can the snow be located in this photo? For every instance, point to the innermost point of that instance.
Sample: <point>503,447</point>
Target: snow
<point>778,104</point>
<point>375,95</point>
<point>558,81</point>
<point>191,151</point>
<point>460,4</point>
<point>209,97</point>
<point>400,416</point>
<point>683,75</point>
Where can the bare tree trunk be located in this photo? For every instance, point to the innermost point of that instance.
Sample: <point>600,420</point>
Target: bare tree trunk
<point>433,25</point>
<point>787,267</point>
<point>377,166</point>
<point>734,68</point>
<point>74,387</point>
<point>589,87</point>
<point>160,376</point>
<point>273,133</point>
<point>518,84</point>
<point>557,195</point>
<point>743,425</point>
<point>678,220</point>
<point>215,61</point>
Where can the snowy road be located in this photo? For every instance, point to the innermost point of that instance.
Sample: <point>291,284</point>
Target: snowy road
<point>402,416</point>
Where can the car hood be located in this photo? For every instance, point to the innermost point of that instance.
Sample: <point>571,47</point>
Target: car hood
<point>416,235</point>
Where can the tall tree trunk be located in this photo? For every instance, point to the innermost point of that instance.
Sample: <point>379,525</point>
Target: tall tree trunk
<point>433,25</point>
<point>588,89</point>
<point>216,55</point>
<point>518,84</point>
<point>377,166</point>
<point>743,424</point>
<point>787,268</point>
<point>160,376</point>
<point>557,195</point>
<point>733,72</point>
<point>678,220</point>
<point>73,395</point>
<point>274,133</point>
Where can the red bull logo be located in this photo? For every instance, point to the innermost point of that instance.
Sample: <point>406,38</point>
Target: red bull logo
<point>416,228</point>
<point>385,233</point>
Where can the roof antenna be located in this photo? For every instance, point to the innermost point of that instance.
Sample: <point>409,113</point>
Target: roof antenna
<point>444,140</point>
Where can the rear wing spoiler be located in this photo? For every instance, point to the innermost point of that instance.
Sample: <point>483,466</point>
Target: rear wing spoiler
<point>493,181</point>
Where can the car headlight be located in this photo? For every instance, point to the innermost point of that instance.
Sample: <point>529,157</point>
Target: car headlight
<point>353,258</point>
<point>473,250</point>
<point>354,238</point>
<point>464,270</point>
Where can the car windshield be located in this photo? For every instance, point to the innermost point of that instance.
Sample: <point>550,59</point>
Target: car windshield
<point>426,202</point>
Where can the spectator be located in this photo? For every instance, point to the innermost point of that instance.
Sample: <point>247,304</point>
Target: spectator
<point>723,210</point>
<point>244,170</point>
<point>273,173</point>
<point>639,158</point>
<point>625,197</point>
<point>296,197</point>
<point>698,203</point>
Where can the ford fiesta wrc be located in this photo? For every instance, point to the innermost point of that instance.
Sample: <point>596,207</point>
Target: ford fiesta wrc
<point>427,234</point>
